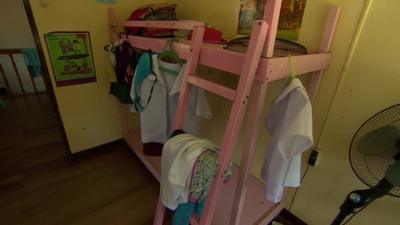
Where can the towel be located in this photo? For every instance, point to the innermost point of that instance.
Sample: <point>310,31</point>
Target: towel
<point>32,61</point>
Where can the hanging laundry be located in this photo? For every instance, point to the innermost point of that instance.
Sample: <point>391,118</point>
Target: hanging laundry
<point>123,59</point>
<point>111,61</point>
<point>290,126</point>
<point>158,11</point>
<point>158,93</point>
<point>143,70</point>
<point>126,60</point>
<point>32,61</point>
<point>180,154</point>
<point>201,176</point>
<point>185,211</point>
<point>203,173</point>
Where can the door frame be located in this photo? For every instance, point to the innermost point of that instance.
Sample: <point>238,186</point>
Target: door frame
<point>45,72</point>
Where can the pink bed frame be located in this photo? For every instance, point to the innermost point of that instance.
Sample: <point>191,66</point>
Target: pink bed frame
<point>256,69</point>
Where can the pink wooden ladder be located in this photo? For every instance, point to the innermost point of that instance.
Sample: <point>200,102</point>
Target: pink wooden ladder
<point>239,97</point>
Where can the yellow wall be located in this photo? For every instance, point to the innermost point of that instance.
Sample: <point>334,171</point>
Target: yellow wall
<point>370,84</point>
<point>14,26</point>
<point>89,114</point>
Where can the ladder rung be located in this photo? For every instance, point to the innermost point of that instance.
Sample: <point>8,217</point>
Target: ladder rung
<point>211,87</point>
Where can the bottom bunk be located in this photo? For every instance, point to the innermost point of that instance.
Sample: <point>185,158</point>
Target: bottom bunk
<point>257,210</point>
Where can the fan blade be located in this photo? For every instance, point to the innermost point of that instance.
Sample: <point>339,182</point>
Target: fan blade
<point>393,174</point>
<point>379,141</point>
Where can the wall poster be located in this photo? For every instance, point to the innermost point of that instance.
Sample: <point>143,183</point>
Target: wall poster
<point>71,57</point>
<point>290,19</point>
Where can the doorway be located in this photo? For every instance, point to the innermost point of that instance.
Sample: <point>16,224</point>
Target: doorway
<point>29,116</point>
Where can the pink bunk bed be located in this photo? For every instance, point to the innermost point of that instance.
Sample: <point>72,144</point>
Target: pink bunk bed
<point>242,201</point>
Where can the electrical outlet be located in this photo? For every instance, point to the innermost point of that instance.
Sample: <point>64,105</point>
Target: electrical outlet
<point>313,159</point>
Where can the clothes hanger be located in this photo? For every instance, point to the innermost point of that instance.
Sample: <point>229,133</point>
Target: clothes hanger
<point>292,74</point>
<point>120,41</point>
<point>169,56</point>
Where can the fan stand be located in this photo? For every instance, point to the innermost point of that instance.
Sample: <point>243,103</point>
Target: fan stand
<point>359,198</point>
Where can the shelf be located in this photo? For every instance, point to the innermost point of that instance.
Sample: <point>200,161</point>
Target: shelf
<point>166,24</point>
<point>215,56</point>
<point>153,163</point>
<point>256,210</point>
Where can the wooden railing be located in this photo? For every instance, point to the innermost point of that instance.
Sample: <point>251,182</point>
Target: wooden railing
<point>10,53</point>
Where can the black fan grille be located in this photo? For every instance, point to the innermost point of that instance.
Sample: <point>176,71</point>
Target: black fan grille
<point>371,169</point>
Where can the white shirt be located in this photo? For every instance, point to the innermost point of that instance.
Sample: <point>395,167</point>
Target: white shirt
<point>178,158</point>
<point>157,118</point>
<point>290,126</point>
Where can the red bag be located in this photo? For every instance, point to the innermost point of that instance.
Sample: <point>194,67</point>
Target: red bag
<point>162,11</point>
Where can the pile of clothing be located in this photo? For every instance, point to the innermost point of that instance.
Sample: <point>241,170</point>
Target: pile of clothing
<point>188,167</point>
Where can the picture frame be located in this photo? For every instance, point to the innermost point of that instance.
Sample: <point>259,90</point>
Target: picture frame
<point>290,20</point>
<point>71,57</point>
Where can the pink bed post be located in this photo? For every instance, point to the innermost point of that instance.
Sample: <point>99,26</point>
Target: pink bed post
<point>191,66</point>
<point>247,77</point>
<point>325,46</point>
<point>113,21</point>
<point>271,15</point>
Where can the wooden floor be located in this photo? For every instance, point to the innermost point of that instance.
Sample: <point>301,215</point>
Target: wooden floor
<point>41,185</point>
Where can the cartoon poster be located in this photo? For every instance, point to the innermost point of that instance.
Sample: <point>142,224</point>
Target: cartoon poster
<point>290,19</point>
<point>71,57</point>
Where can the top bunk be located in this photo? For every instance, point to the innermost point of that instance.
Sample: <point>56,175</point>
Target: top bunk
<point>215,56</point>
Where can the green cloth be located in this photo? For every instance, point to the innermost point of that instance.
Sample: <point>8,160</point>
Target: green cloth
<point>185,211</point>
<point>203,174</point>
<point>143,69</point>
<point>32,61</point>
<point>122,92</point>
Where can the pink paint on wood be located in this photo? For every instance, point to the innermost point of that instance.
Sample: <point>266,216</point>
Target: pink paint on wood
<point>112,18</point>
<point>160,212</point>
<point>213,55</point>
<point>173,24</point>
<point>256,107</point>
<point>325,46</point>
<point>153,163</point>
<point>247,76</point>
<point>271,214</point>
<point>278,68</point>
<point>158,45</point>
<point>212,87</point>
<point>191,67</point>
<point>183,101</point>
<point>272,11</point>
<point>256,207</point>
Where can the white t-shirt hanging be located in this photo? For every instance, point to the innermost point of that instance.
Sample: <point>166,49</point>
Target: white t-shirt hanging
<point>290,125</point>
<point>157,118</point>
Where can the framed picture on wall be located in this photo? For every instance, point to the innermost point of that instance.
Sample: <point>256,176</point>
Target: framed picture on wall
<point>71,57</point>
<point>290,19</point>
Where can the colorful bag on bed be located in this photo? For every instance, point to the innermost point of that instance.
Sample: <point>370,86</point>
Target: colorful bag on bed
<point>162,11</point>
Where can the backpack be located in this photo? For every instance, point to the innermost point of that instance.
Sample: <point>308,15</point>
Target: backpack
<point>162,11</point>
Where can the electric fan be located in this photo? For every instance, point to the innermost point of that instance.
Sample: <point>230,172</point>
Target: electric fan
<point>375,159</point>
